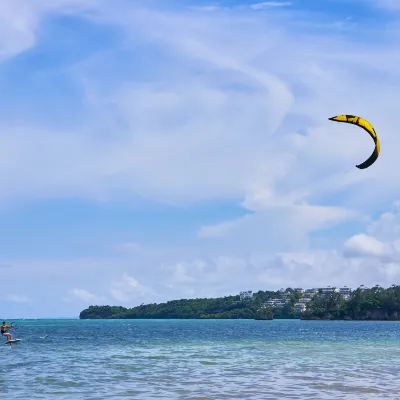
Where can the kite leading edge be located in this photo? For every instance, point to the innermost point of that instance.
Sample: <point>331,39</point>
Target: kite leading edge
<point>363,123</point>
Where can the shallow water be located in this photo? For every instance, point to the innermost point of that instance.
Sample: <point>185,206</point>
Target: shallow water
<point>202,359</point>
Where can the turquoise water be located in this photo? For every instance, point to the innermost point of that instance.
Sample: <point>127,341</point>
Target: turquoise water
<point>205,359</point>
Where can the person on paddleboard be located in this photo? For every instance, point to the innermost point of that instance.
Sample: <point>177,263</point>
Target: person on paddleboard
<point>4,329</point>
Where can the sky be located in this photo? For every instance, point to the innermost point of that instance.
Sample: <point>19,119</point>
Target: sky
<point>159,150</point>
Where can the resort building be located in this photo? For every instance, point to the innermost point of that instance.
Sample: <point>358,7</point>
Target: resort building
<point>300,307</point>
<point>310,292</point>
<point>276,303</point>
<point>246,295</point>
<point>304,300</point>
<point>345,292</point>
<point>279,303</point>
<point>328,289</point>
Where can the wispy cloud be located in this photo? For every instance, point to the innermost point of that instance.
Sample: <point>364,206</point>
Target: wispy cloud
<point>84,295</point>
<point>143,114</point>
<point>128,247</point>
<point>391,5</point>
<point>20,22</point>
<point>269,4</point>
<point>247,149</point>
<point>127,289</point>
<point>206,8</point>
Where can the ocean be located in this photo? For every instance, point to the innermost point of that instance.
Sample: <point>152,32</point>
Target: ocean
<point>201,359</point>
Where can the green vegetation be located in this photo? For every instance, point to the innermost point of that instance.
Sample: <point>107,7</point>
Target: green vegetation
<point>376,303</point>
<point>222,308</point>
<point>367,304</point>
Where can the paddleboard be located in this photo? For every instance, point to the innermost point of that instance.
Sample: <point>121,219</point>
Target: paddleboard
<point>13,341</point>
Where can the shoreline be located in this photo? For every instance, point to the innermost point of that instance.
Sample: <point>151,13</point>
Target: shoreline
<point>248,319</point>
<point>366,319</point>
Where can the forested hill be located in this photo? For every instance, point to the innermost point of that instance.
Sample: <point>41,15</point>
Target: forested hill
<point>224,308</point>
<point>376,303</point>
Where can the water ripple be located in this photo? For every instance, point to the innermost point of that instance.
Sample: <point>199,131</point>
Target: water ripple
<point>200,360</point>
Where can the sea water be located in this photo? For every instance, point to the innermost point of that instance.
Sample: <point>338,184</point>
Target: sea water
<point>202,359</point>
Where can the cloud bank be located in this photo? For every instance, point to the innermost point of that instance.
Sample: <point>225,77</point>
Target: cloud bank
<point>167,109</point>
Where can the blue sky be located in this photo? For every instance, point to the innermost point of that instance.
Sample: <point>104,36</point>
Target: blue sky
<point>158,150</point>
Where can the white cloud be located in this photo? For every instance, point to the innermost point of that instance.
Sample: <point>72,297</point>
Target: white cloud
<point>130,247</point>
<point>237,107</point>
<point>219,230</point>
<point>365,246</point>
<point>84,295</point>
<point>382,241</point>
<point>387,226</point>
<point>367,258</point>
<point>221,134</point>
<point>226,275</point>
<point>217,276</point>
<point>20,21</point>
<point>127,289</point>
<point>276,229</point>
<point>206,8</point>
<point>186,271</point>
<point>391,5</point>
<point>269,4</point>
<point>262,271</point>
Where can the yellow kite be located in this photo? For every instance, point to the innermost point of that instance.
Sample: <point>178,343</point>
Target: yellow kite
<point>363,123</point>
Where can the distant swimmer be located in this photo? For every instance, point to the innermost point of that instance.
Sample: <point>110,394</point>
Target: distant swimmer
<point>4,329</point>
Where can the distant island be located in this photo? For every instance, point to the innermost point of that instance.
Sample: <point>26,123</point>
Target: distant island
<point>328,303</point>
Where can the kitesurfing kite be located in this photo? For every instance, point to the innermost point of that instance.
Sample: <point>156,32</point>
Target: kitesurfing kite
<point>363,123</point>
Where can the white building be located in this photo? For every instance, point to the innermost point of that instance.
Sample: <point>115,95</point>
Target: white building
<point>304,300</point>
<point>246,295</point>
<point>362,287</point>
<point>345,292</point>
<point>300,307</point>
<point>279,303</point>
<point>276,303</point>
<point>299,290</point>
<point>329,289</point>
<point>310,292</point>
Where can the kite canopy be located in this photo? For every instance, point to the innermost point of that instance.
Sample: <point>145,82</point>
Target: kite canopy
<point>363,123</point>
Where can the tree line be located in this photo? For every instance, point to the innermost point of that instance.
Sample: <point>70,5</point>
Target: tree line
<point>227,307</point>
<point>376,303</point>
